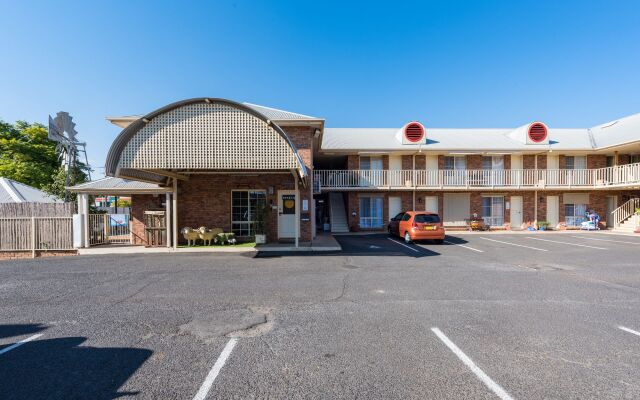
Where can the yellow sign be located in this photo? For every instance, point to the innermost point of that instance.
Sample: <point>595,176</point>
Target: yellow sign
<point>289,203</point>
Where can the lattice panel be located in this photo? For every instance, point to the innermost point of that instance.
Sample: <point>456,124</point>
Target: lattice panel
<point>207,136</point>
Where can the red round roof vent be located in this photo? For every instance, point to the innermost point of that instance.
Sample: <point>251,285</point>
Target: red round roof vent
<point>414,132</point>
<point>537,132</point>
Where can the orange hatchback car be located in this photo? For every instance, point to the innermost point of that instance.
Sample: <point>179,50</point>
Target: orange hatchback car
<point>417,225</point>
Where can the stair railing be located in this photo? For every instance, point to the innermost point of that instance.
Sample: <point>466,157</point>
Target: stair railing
<point>625,211</point>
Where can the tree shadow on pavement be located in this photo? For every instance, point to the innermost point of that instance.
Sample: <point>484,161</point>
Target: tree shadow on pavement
<point>62,369</point>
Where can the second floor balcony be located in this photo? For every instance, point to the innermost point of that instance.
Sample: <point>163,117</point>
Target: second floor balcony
<point>625,176</point>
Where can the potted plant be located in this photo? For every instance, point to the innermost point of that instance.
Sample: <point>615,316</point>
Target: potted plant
<point>262,217</point>
<point>543,225</point>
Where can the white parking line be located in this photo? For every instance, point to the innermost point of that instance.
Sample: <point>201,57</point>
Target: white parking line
<point>514,244</point>
<point>629,330</point>
<point>495,388</point>
<point>567,243</point>
<point>466,247</point>
<point>402,244</point>
<point>604,240</point>
<point>20,343</point>
<point>211,376</point>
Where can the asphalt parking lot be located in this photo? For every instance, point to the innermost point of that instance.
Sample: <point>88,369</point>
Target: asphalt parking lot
<point>483,316</point>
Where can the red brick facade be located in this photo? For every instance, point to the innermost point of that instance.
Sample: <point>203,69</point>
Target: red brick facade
<point>205,198</point>
<point>597,199</point>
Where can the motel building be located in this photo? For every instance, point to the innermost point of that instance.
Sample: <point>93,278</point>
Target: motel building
<point>212,162</point>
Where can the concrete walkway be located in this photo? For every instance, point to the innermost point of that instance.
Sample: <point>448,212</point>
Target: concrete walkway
<point>322,242</point>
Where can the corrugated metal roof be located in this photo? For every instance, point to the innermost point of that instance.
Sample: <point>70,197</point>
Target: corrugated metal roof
<point>115,184</point>
<point>620,131</point>
<point>273,114</point>
<point>279,115</point>
<point>387,139</point>
<point>16,192</point>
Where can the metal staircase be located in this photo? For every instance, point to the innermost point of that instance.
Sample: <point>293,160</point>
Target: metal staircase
<point>339,222</point>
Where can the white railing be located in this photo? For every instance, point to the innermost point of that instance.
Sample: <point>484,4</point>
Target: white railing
<point>625,211</point>
<point>36,233</point>
<point>620,176</point>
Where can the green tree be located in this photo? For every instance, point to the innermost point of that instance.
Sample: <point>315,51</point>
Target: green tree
<point>26,154</point>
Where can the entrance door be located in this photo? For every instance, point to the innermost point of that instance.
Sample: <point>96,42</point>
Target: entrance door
<point>553,210</point>
<point>431,204</point>
<point>457,208</point>
<point>287,214</point>
<point>516,212</point>
<point>395,206</point>
<point>612,202</point>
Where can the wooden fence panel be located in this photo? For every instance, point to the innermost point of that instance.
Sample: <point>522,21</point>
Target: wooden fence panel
<point>12,210</point>
<point>47,233</point>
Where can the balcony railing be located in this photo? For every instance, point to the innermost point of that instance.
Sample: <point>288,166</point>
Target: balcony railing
<point>620,176</point>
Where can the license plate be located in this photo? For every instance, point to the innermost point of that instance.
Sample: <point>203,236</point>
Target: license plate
<point>429,228</point>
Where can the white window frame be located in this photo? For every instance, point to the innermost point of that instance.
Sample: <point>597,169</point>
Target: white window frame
<point>250,222</point>
<point>459,163</point>
<point>370,221</point>
<point>494,218</point>
<point>579,214</point>
<point>577,162</point>
<point>371,161</point>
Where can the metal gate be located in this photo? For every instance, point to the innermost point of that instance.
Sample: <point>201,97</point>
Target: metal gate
<point>109,229</point>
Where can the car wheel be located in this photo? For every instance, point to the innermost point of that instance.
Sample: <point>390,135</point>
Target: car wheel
<point>407,237</point>
<point>439,241</point>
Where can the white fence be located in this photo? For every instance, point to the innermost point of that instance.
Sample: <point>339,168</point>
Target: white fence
<point>36,233</point>
<point>620,176</point>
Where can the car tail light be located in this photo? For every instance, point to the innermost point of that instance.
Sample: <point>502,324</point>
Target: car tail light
<point>414,224</point>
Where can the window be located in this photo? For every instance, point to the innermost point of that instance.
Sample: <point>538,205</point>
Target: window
<point>455,162</point>
<point>244,205</point>
<point>493,162</point>
<point>406,217</point>
<point>610,161</point>
<point>426,219</point>
<point>575,162</point>
<point>371,162</point>
<point>575,214</point>
<point>371,212</point>
<point>634,158</point>
<point>493,210</point>
<point>454,174</point>
<point>398,217</point>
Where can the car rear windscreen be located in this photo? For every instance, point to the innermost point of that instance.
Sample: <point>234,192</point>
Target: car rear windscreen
<point>426,219</point>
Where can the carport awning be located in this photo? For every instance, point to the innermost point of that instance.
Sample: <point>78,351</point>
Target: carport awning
<point>110,185</point>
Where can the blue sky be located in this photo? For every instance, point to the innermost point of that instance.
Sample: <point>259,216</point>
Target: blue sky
<point>366,64</point>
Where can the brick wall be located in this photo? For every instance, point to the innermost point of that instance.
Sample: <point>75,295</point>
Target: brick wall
<point>542,161</point>
<point>474,162</point>
<point>562,161</point>
<point>623,159</point>
<point>597,202</point>
<point>407,162</point>
<point>14,255</point>
<point>139,204</point>
<point>596,161</point>
<point>528,161</point>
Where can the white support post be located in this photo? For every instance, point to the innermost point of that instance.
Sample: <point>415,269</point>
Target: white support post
<point>297,223</point>
<point>33,237</point>
<point>175,213</point>
<point>167,219</point>
<point>84,199</point>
